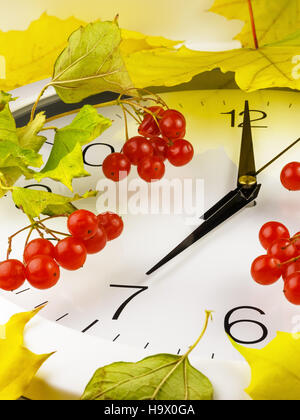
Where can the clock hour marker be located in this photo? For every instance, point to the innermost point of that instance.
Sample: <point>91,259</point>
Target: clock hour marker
<point>42,304</point>
<point>115,339</point>
<point>62,317</point>
<point>179,351</point>
<point>90,326</point>
<point>146,346</point>
<point>22,291</point>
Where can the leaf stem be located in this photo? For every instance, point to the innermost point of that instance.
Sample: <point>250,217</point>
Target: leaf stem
<point>126,121</point>
<point>184,357</point>
<point>253,25</point>
<point>207,319</point>
<point>33,111</point>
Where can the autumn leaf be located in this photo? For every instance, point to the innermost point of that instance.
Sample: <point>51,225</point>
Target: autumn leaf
<point>92,63</point>
<point>267,67</point>
<point>66,161</point>
<point>157,62</point>
<point>5,98</point>
<point>30,55</point>
<point>12,155</point>
<point>159,377</point>
<point>34,202</point>
<point>275,369</point>
<point>18,365</point>
<point>274,20</point>
<point>8,130</point>
<point>29,137</point>
<point>18,146</point>
<point>133,41</point>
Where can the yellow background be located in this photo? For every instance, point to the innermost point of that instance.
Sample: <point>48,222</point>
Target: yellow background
<point>182,19</point>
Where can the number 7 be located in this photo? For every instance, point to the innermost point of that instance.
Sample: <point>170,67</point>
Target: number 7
<point>123,306</point>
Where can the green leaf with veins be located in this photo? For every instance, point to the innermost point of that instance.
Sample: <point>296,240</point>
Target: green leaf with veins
<point>66,161</point>
<point>34,202</point>
<point>28,138</point>
<point>8,129</point>
<point>12,155</point>
<point>159,377</point>
<point>91,63</point>
<point>28,135</point>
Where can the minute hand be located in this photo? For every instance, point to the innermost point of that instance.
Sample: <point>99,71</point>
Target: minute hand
<point>233,206</point>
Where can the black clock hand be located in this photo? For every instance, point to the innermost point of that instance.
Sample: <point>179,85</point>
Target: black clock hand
<point>246,192</point>
<point>247,169</point>
<point>241,199</point>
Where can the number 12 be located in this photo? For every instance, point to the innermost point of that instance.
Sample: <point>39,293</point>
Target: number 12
<point>233,118</point>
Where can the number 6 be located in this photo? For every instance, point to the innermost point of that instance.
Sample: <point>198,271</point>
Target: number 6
<point>228,325</point>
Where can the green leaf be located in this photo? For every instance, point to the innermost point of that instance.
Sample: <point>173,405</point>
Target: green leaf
<point>12,155</point>
<point>267,67</point>
<point>28,139</point>
<point>159,377</point>
<point>34,202</point>
<point>5,98</point>
<point>66,161</point>
<point>28,135</point>
<point>145,381</point>
<point>92,63</point>
<point>274,20</point>
<point>8,130</point>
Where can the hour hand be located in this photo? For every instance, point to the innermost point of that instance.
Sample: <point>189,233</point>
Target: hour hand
<point>247,169</point>
<point>233,205</point>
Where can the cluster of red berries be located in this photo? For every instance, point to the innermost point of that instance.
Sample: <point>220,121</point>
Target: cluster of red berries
<point>42,260</point>
<point>282,260</point>
<point>290,176</point>
<point>161,138</point>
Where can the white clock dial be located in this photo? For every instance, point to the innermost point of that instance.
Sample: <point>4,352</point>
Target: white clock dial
<point>166,311</point>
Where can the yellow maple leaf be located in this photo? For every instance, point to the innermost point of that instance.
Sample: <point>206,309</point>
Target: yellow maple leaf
<point>29,56</point>
<point>18,365</point>
<point>271,66</point>
<point>275,369</point>
<point>274,20</point>
<point>149,60</point>
<point>135,41</point>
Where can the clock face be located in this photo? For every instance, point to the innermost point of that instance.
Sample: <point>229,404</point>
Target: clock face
<point>112,298</point>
